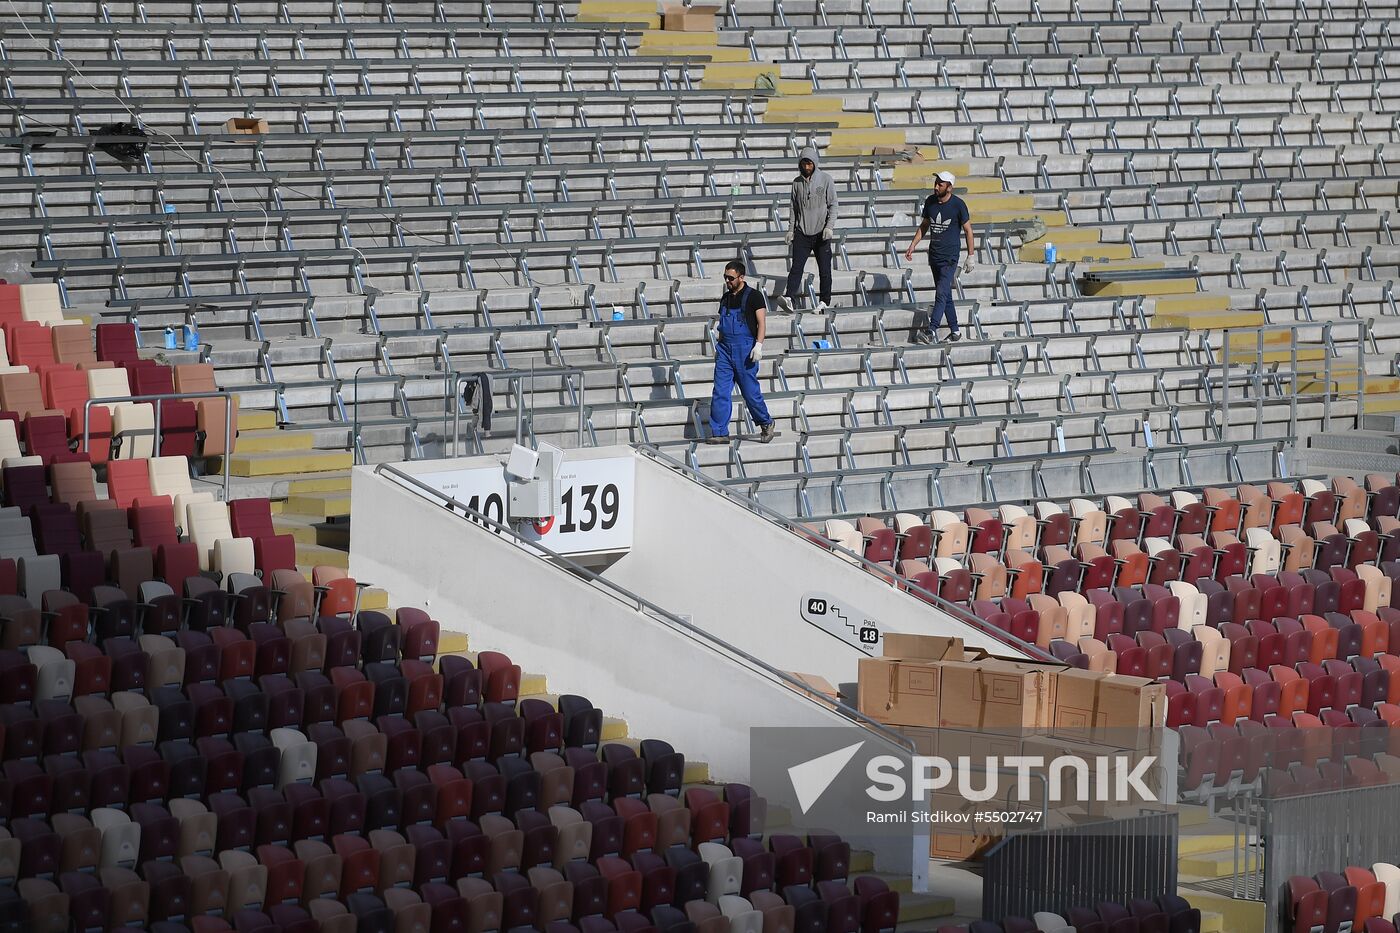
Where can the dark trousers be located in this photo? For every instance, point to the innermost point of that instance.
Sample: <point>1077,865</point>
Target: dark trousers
<point>802,247</point>
<point>944,275</point>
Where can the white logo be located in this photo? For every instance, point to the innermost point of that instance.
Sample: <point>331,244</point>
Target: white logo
<point>1115,778</point>
<point>811,778</point>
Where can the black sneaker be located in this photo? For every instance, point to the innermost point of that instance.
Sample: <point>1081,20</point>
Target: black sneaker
<point>924,337</point>
<point>954,337</point>
<point>717,439</point>
<point>765,433</point>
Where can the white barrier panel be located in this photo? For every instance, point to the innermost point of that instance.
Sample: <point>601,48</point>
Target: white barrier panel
<point>597,501</point>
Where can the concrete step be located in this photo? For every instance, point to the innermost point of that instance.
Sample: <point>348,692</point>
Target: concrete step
<point>331,504</point>
<point>331,482</point>
<point>308,461</point>
<point>314,555</point>
<point>914,908</point>
<point>272,441</point>
<point>1220,863</point>
<point>256,419</point>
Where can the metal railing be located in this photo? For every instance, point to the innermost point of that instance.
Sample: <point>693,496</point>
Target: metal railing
<point>1255,377</point>
<point>647,608</point>
<point>224,394</point>
<point>1080,866</point>
<point>752,505</point>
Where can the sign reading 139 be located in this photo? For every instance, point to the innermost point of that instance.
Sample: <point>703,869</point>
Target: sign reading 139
<point>595,507</point>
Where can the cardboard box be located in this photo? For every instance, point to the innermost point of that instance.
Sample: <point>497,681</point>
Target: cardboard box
<point>689,19</point>
<point>246,125</point>
<point>963,841</point>
<point>902,688</point>
<point>819,688</point>
<point>1007,696</point>
<point>1131,703</point>
<point>1076,703</point>
<point>898,692</point>
<point>926,741</point>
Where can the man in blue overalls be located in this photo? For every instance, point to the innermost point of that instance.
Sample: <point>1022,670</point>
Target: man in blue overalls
<point>742,323</point>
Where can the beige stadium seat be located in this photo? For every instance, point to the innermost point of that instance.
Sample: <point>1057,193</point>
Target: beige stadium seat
<point>39,301</point>
<point>134,423</point>
<point>170,476</point>
<point>208,525</point>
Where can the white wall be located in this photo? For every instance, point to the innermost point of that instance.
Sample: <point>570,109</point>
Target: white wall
<point>665,682</point>
<point>742,577</point>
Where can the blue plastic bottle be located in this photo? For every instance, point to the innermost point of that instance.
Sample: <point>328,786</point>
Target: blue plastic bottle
<point>1049,253</point>
<point>171,342</point>
<point>191,337</point>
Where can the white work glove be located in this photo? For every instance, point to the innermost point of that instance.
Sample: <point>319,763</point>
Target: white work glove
<point>756,354</point>
<point>788,239</point>
<point>828,234</point>
<point>968,263</point>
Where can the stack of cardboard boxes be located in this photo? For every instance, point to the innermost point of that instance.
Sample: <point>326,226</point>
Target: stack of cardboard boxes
<point>954,702</point>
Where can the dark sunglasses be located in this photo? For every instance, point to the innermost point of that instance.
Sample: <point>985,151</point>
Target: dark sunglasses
<point>731,278</point>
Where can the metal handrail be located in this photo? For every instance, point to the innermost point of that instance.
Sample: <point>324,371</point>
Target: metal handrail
<point>641,604</point>
<point>170,397</point>
<point>772,515</point>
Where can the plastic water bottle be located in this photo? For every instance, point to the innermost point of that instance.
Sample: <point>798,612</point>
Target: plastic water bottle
<point>821,344</point>
<point>617,313</point>
<point>171,342</point>
<point>191,336</point>
<point>1049,253</point>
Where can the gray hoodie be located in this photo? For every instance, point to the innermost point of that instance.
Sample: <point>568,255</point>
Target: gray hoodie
<point>813,199</point>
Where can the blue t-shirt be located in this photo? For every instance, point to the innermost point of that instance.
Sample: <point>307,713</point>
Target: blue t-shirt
<point>945,222</point>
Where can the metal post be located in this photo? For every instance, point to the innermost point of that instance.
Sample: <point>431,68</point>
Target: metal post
<point>519,410</point>
<point>1326,381</point>
<point>1361,327</point>
<point>1293,390</point>
<point>1225,387</point>
<point>1258,382</point>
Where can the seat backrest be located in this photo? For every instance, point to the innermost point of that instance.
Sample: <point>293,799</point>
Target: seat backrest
<point>73,483</point>
<point>106,530</point>
<point>9,440</point>
<point>169,476</point>
<point>30,345</point>
<point>152,379</point>
<point>66,389</point>
<point>40,301</point>
<point>126,480</point>
<point>72,343</point>
<point>117,342</point>
<point>16,537</point>
<point>108,383</point>
<point>251,518</point>
<point>195,377</point>
<point>21,393</point>
<point>209,523</point>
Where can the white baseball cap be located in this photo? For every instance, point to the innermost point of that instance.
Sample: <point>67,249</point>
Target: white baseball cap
<point>946,176</point>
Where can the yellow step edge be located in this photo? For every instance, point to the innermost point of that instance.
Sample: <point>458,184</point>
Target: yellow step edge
<point>312,555</point>
<point>617,6</point>
<point>916,907</point>
<point>1035,251</point>
<point>1193,303</point>
<point>714,54</point>
<point>339,483</point>
<point>1049,218</point>
<point>731,71</point>
<point>1206,320</point>
<point>301,532</point>
<point>1141,288</point>
<point>1004,201</point>
<point>1381,404</point>
<point>662,38</point>
<point>787,86</point>
<point>817,102</point>
<point>1234,915</point>
<point>375,598</point>
<point>1201,844</point>
<point>1072,236</point>
<point>928,169</point>
<point>613,729</point>
<point>1347,385</point>
<point>449,642</point>
<point>1217,864</point>
<point>273,440</point>
<point>649,20</point>
<point>844,142</point>
<point>256,419</point>
<point>840,119</point>
<point>271,464</point>
<point>319,504</point>
<point>696,772</point>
